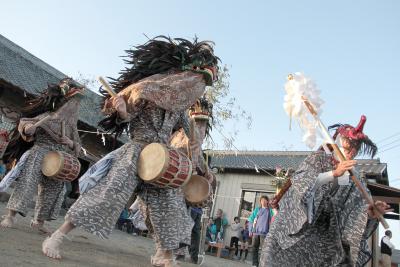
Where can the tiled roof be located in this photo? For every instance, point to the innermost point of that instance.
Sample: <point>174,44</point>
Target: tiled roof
<point>269,160</point>
<point>29,73</point>
<point>6,125</point>
<point>371,166</point>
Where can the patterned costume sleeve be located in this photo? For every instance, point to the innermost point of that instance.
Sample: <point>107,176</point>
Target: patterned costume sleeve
<point>298,198</point>
<point>172,92</point>
<point>372,224</point>
<point>183,123</point>
<point>134,109</point>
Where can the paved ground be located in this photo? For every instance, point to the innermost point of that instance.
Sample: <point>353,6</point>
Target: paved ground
<point>21,246</point>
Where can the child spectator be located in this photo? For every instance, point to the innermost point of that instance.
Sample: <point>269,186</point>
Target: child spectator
<point>244,241</point>
<point>236,229</point>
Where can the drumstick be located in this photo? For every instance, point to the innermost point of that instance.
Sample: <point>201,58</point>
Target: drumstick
<point>51,115</point>
<point>106,86</point>
<point>192,136</point>
<point>62,128</point>
<point>40,122</point>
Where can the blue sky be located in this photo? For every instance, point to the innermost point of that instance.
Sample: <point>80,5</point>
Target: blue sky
<point>350,48</point>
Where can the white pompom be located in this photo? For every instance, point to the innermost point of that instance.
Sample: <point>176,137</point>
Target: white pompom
<point>296,88</point>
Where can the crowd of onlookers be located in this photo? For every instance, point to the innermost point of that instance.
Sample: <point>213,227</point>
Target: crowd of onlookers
<point>249,234</point>
<point>132,220</point>
<point>253,231</point>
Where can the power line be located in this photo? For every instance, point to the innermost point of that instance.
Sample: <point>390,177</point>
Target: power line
<point>391,136</point>
<point>248,159</point>
<point>388,144</point>
<point>390,148</point>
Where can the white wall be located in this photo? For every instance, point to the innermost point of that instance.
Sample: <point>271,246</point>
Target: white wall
<point>230,190</point>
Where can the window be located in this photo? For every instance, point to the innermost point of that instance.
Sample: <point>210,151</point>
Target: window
<point>249,200</point>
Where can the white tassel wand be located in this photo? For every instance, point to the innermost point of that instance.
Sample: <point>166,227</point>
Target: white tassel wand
<point>293,101</point>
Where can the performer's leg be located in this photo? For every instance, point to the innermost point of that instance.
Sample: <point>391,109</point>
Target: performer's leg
<point>51,246</point>
<point>103,203</point>
<point>48,204</point>
<point>170,220</point>
<point>8,220</point>
<point>25,189</point>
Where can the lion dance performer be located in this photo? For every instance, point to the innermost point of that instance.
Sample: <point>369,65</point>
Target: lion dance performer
<point>165,78</point>
<point>323,220</point>
<point>184,139</point>
<point>201,114</point>
<point>49,123</point>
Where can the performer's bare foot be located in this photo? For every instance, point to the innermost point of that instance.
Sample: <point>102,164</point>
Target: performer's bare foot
<point>39,225</point>
<point>163,259</point>
<point>157,259</point>
<point>51,246</point>
<point>7,222</point>
<point>171,263</point>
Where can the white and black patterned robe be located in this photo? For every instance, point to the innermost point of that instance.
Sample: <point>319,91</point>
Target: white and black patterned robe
<point>30,180</point>
<point>339,228</point>
<point>107,186</point>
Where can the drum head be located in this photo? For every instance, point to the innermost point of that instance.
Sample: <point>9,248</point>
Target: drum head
<point>197,189</point>
<point>153,161</point>
<point>52,163</point>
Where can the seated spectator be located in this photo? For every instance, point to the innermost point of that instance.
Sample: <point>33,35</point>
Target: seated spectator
<point>211,232</point>
<point>124,219</point>
<point>138,221</point>
<point>220,222</point>
<point>244,241</point>
<point>236,229</point>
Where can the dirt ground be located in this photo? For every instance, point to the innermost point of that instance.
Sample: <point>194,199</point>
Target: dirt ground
<point>21,246</point>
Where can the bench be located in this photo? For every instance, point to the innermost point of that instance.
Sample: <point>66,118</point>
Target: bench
<point>219,247</point>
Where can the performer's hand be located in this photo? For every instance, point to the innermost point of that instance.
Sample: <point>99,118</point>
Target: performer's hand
<point>29,129</point>
<point>120,106</point>
<point>382,207</point>
<point>273,203</point>
<point>66,141</point>
<point>344,166</point>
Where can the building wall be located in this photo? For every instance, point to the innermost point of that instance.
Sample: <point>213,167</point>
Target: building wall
<point>230,187</point>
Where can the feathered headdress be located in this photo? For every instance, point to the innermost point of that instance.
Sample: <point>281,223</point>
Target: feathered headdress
<point>161,54</point>
<point>355,135</point>
<point>49,100</point>
<point>52,98</point>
